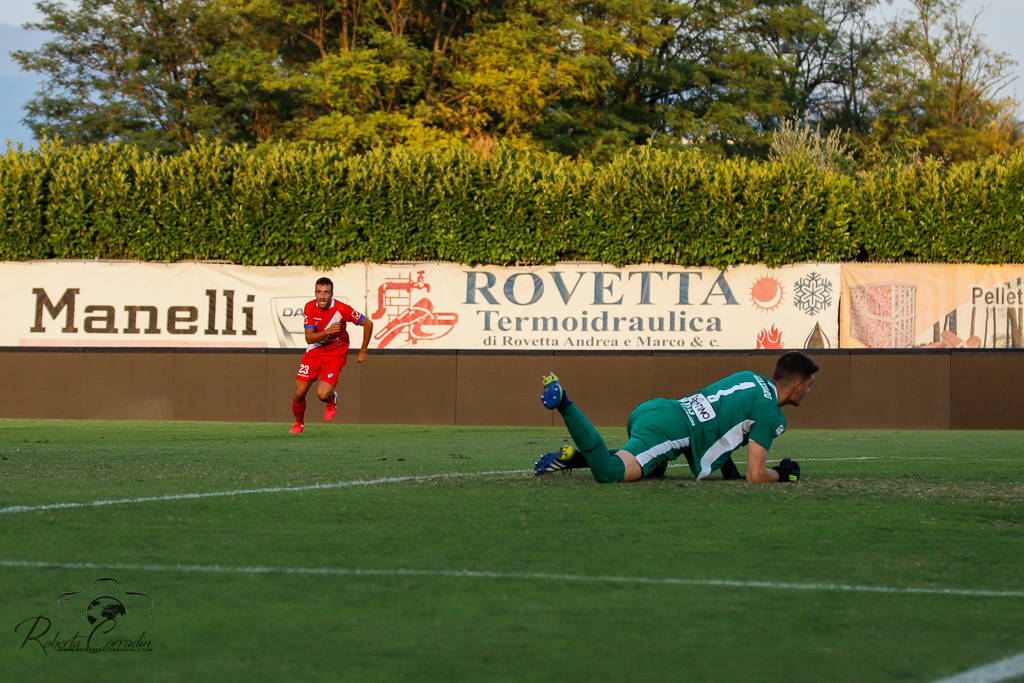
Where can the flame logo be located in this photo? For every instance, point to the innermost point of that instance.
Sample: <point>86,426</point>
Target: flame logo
<point>769,339</point>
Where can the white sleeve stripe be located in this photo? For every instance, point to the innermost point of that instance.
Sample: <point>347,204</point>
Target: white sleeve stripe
<point>731,390</point>
<point>729,442</point>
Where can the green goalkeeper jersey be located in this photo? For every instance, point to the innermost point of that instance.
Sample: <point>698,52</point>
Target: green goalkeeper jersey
<point>729,413</point>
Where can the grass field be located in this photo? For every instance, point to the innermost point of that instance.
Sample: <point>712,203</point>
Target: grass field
<point>431,553</point>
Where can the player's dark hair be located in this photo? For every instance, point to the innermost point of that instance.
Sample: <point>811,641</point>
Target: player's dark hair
<point>325,281</point>
<point>794,366</point>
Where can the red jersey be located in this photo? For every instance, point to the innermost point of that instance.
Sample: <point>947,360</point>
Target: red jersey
<point>317,319</point>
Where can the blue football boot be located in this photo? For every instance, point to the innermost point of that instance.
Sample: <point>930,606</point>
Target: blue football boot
<point>553,394</point>
<point>555,461</point>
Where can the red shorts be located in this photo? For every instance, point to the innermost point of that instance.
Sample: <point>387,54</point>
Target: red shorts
<point>323,365</point>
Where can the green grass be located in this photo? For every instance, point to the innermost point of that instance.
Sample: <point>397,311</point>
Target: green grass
<point>439,578</point>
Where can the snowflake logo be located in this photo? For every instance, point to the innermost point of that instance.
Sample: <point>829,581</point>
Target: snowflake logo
<point>812,294</point>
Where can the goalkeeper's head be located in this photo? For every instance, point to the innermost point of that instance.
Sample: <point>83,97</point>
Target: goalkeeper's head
<point>793,377</point>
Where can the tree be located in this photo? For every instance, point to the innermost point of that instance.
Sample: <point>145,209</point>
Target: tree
<point>799,143</point>
<point>828,52</point>
<point>688,74</point>
<point>726,73</point>
<point>579,77</point>
<point>437,72</point>
<point>132,70</point>
<point>939,90</point>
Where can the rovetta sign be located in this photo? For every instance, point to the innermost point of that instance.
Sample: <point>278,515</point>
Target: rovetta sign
<point>598,307</point>
<point>424,305</point>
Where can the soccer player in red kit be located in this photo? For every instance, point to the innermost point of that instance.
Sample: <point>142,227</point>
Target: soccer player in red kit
<point>326,351</point>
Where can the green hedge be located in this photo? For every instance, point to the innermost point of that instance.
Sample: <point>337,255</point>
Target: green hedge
<point>309,205</point>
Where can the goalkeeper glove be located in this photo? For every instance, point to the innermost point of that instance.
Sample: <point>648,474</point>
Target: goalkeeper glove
<point>789,470</point>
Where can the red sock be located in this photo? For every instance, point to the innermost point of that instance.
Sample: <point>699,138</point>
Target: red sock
<point>299,410</point>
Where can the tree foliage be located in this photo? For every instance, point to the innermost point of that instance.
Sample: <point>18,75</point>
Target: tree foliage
<point>129,70</point>
<point>578,77</point>
<point>938,89</point>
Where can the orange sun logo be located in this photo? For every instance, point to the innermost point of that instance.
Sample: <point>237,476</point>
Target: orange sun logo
<point>766,293</point>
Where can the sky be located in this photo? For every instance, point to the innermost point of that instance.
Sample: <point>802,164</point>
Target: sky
<point>1000,23</point>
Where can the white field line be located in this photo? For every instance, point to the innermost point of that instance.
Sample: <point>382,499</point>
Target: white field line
<point>15,509</point>
<point>1010,667</point>
<point>249,492</point>
<point>514,576</point>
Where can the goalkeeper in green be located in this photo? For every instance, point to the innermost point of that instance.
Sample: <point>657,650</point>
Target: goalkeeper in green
<point>705,428</point>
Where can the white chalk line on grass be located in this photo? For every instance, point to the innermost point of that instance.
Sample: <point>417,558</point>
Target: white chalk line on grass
<point>14,509</point>
<point>249,492</point>
<point>1002,670</point>
<point>515,576</point>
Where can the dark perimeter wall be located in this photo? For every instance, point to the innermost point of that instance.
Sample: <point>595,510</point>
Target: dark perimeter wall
<point>855,389</point>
